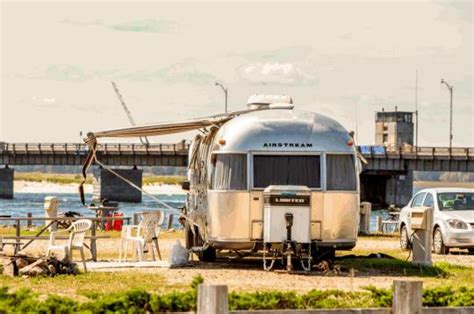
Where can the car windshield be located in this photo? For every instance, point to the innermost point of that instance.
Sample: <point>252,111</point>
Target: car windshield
<point>456,201</point>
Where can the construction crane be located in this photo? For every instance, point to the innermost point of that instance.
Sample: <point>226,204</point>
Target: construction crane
<point>143,140</point>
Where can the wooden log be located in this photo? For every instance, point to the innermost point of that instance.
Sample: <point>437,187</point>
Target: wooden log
<point>32,269</point>
<point>407,297</point>
<point>22,262</point>
<point>212,299</point>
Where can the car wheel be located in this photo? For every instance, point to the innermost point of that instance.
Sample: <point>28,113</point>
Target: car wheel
<point>438,244</point>
<point>404,239</point>
<point>471,251</point>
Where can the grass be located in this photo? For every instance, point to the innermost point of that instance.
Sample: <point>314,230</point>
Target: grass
<point>62,178</point>
<point>440,274</point>
<point>92,282</point>
<point>393,267</point>
<point>144,298</point>
<point>10,231</point>
<point>58,178</point>
<point>163,180</point>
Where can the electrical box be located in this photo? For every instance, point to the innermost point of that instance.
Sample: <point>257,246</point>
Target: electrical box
<point>281,200</point>
<point>419,218</point>
<point>51,205</point>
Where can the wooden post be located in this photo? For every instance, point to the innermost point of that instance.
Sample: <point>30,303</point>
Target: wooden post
<point>365,212</point>
<point>407,297</point>
<point>29,222</point>
<point>170,221</point>
<point>17,236</point>
<point>423,241</point>
<point>378,224</point>
<point>93,241</point>
<point>135,218</point>
<point>212,299</point>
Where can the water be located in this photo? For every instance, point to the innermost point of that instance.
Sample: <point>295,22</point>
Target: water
<point>24,203</point>
<point>29,202</point>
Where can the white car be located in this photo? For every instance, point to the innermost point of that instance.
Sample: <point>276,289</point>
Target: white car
<point>453,221</point>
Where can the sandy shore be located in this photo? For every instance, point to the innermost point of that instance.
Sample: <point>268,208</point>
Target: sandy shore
<point>46,187</point>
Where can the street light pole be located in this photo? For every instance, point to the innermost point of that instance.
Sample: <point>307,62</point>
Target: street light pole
<point>450,87</point>
<point>225,94</point>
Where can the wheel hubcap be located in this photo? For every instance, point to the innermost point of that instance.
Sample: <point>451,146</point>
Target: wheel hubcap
<point>403,238</point>
<point>438,241</point>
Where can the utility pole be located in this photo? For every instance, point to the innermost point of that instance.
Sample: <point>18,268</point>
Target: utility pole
<point>450,87</point>
<point>225,94</point>
<point>416,108</point>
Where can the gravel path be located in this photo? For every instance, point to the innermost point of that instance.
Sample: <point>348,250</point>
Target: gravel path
<point>248,275</point>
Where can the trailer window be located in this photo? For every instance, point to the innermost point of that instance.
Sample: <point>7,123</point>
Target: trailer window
<point>341,174</point>
<point>230,172</point>
<point>286,170</point>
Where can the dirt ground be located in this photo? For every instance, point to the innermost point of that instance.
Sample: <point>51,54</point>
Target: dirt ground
<point>248,275</point>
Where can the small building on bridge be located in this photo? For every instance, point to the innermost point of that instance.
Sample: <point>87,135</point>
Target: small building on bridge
<point>394,128</point>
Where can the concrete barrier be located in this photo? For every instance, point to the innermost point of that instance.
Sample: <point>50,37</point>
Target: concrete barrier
<point>6,183</point>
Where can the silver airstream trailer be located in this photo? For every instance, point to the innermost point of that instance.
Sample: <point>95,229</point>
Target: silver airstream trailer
<point>248,174</point>
<point>268,179</point>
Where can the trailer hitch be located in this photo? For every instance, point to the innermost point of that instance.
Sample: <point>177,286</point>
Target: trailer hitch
<point>289,246</point>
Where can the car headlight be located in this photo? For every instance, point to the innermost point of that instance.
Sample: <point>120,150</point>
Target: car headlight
<point>457,224</point>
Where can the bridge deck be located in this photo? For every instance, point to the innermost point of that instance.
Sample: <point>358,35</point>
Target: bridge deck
<point>378,157</point>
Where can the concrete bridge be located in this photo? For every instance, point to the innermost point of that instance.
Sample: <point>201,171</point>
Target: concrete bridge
<point>73,154</point>
<point>387,177</point>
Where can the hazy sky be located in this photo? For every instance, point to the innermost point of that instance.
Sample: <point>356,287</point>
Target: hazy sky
<point>340,59</point>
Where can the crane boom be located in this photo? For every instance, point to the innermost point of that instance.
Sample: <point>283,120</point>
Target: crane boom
<point>129,115</point>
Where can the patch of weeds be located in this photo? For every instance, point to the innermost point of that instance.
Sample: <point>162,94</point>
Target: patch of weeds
<point>388,266</point>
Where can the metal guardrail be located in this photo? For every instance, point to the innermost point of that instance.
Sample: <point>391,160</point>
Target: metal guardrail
<point>117,148</point>
<point>78,148</point>
<point>413,151</point>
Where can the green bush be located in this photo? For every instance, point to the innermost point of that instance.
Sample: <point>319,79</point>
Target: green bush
<point>380,297</point>
<point>140,301</point>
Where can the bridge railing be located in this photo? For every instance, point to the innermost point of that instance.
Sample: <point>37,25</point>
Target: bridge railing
<point>183,146</point>
<point>39,148</point>
<point>409,151</point>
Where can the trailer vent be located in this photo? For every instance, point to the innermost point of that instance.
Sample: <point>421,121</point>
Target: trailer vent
<point>261,101</point>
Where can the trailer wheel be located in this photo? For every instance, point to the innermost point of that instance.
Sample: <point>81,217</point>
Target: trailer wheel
<point>188,236</point>
<point>207,255</point>
<point>320,254</point>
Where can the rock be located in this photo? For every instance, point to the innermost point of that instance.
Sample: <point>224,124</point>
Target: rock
<point>37,271</point>
<point>9,267</point>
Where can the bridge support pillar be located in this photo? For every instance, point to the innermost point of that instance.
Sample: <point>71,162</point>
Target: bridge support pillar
<point>6,183</point>
<point>399,188</point>
<point>108,186</point>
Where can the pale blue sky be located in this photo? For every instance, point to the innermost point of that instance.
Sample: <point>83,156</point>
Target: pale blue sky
<point>333,58</point>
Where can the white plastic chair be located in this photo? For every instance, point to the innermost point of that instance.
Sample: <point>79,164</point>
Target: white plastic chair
<point>77,232</point>
<point>145,234</point>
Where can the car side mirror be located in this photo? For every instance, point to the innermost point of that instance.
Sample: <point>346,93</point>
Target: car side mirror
<point>185,185</point>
